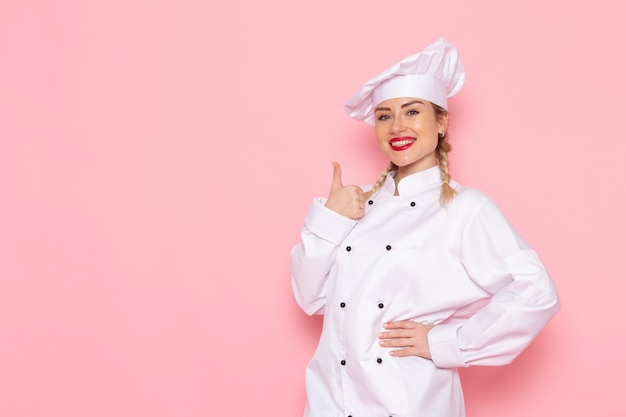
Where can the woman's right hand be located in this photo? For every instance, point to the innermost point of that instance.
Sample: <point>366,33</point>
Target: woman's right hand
<point>346,200</point>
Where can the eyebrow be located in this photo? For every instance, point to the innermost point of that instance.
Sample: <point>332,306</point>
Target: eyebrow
<point>402,106</point>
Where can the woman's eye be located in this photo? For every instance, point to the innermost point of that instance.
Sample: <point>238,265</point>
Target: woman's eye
<point>412,112</point>
<point>383,117</point>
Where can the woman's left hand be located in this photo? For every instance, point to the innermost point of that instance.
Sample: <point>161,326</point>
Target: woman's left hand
<point>410,338</point>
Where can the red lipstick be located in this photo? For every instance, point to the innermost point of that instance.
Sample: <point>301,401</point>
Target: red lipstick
<point>401,143</point>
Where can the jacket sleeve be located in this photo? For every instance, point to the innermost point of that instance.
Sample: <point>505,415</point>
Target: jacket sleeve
<point>312,259</point>
<point>523,297</point>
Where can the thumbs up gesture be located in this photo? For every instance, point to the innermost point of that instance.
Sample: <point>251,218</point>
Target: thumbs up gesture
<point>346,200</point>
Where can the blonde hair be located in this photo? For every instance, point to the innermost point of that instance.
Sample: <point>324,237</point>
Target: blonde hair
<point>381,180</point>
<point>447,193</point>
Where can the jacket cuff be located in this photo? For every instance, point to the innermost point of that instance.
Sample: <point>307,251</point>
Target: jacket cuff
<point>327,224</point>
<point>444,346</point>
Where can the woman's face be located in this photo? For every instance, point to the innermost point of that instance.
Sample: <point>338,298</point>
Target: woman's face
<point>407,130</point>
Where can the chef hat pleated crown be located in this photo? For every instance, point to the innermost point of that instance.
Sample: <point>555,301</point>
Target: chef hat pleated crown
<point>433,74</point>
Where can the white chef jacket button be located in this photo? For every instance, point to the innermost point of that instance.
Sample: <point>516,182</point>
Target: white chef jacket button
<point>343,362</point>
<point>381,305</point>
<point>348,248</point>
<point>388,247</point>
<point>379,360</point>
<point>342,305</point>
<point>412,203</point>
<point>370,202</point>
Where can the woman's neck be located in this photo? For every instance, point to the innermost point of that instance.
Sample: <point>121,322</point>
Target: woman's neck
<point>405,171</point>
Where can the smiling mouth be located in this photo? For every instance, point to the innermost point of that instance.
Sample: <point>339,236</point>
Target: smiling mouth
<point>400,144</point>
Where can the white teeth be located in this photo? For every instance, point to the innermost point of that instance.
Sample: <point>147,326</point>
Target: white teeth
<point>401,143</point>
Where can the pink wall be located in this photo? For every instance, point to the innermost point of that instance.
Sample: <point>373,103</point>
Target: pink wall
<point>157,159</point>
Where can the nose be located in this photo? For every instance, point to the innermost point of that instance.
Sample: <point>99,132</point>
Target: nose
<point>397,126</point>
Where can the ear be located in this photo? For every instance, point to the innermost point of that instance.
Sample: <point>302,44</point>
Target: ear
<point>442,123</point>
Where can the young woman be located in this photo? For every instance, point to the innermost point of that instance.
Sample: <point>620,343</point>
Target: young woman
<point>418,275</point>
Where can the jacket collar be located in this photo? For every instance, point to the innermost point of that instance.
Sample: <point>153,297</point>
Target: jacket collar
<point>414,183</point>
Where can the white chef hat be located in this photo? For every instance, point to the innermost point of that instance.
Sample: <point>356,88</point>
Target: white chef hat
<point>434,74</point>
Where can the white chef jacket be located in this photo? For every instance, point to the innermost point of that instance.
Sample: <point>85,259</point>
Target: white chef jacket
<point>462,268</point>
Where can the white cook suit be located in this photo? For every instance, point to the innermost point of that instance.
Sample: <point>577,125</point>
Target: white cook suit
<point>462,268</point>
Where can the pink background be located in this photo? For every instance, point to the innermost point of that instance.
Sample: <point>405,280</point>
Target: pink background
<point>157,159</point>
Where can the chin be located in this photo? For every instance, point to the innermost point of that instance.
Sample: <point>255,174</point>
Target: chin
<point>403,162</point>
